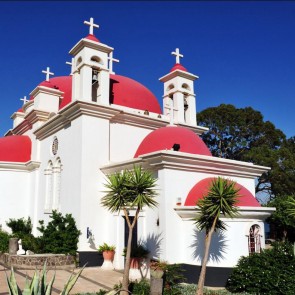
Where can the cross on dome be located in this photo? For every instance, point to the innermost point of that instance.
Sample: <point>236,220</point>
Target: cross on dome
<point>91,25</point>
<point>48,73</point>
<point>111,60</point>
<point>177,55</point>
<point>25,100</point>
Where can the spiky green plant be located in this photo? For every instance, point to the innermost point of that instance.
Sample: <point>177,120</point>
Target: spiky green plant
<point>38,284</point>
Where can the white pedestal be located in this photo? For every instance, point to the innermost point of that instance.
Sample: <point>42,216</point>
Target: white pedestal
<point>107,264</point>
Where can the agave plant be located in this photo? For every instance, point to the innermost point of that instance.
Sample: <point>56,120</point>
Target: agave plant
<point>38,285</point>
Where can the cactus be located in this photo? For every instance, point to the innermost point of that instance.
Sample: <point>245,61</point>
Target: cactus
<point>38,285</point>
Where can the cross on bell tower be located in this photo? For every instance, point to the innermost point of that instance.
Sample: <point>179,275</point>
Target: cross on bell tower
<point>24,100</point>
<point>91,25</point>
<point>177,55</point>
<point>111,60</point>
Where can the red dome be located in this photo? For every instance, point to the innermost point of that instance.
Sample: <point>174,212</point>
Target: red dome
<point>15,148</point>
<point>164,138</point>
<point>123,91</point>
<point>201,189</point>
<point>129,93</point>
<point>178,67</point>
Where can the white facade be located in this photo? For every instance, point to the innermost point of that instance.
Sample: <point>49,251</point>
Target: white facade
<point>80,135</point>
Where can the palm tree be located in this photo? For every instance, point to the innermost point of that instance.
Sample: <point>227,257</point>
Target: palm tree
<point>221,199</point>
<point>130,189</point>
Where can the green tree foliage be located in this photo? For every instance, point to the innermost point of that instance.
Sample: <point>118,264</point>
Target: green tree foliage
<point>129,189</point>
<point>242,134</point>
<point>4,241</point>
<point>220,201</point>
<point>20,227</point>
<point>282,222</point>
<point>60,236</point>
<point>270,272</point>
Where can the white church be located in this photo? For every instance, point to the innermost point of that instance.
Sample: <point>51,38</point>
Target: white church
<point>74,130</point>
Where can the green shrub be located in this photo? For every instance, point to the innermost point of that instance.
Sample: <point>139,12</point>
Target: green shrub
<point>270,272</point>
<point>106,247</point>
<point>4,241</point>
<point>140,288</point>
<point>38,285</point>
<point>60,236</point>
<point>20,227</point>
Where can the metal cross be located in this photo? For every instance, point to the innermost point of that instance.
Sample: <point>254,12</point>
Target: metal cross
<point>25,100</point>
<point>177,54</point>
<point>111,59</point>
<point>91,25</point>
<point>48,73</point>
<point>70,64</point>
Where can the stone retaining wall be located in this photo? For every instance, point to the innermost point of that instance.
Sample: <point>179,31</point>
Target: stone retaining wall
<point>53,261</point>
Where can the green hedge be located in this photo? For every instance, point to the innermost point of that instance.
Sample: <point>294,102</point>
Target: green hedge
<point>270,272</point>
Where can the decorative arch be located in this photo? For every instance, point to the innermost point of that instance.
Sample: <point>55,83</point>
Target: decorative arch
<point>79,60</point>
<point>48,186</point>
<point>170,86</point>
<point>57,168</point>
<point>96,59</point>
<point>185,86</point>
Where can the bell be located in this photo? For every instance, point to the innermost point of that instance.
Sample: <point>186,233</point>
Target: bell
<point>94,77</point>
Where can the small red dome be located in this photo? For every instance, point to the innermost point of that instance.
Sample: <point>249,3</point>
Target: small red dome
<point>64,84</point>
<point>164,138</point>
<point>201,189</point>
<point>92,37</point>
<point>129,93</point>
<point>178,67</point>
<point>15,148</point>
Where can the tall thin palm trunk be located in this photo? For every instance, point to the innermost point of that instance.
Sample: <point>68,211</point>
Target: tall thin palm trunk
<point>125,282</point>
<point>205,259</point>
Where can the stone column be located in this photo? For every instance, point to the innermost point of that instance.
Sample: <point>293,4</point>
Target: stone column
<point>13,246</point>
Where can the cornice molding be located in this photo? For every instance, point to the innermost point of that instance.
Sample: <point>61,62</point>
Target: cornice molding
<point>245,212</point>
<point>90,44</point>
<point>15,166</point>
<point>178,73</point>
<point>190,162</point>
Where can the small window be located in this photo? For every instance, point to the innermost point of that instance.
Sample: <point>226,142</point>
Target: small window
<point>79,61</point>
<point>171,86</point>
<point>254,239</point>
<point>96,59</point>
<point>185,86</point>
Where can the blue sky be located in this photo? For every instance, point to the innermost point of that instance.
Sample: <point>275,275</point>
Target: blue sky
<point>243,52</point>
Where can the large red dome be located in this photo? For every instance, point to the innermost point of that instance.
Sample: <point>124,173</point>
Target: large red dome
<point>123,91</point>
<point>129,93</point>
<point>201,189</point>
<point>15,148</point>
<point>164,138</point>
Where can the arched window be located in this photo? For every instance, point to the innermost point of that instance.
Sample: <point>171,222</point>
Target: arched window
<point>48,187</point>
<point>56,176</point>
<point>79,61</point>
<point>96,59</point>
<point>254,239</point>
<point>185,86</point>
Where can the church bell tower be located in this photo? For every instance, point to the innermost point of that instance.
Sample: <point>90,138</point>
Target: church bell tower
<point>91,68</point>
<point>179,98</point>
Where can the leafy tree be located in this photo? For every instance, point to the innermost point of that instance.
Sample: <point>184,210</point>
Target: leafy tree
<point>221,200</point>
<point>4,241</point>
<point>60,235</point>
<point>281,222</point>
<point>20,227</point>
<point>129,189</point>
<point>270,272</point>
<point>242,134</point>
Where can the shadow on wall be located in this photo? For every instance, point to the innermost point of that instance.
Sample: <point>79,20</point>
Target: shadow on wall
<point>217,248</point>
<point>153,244</point>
